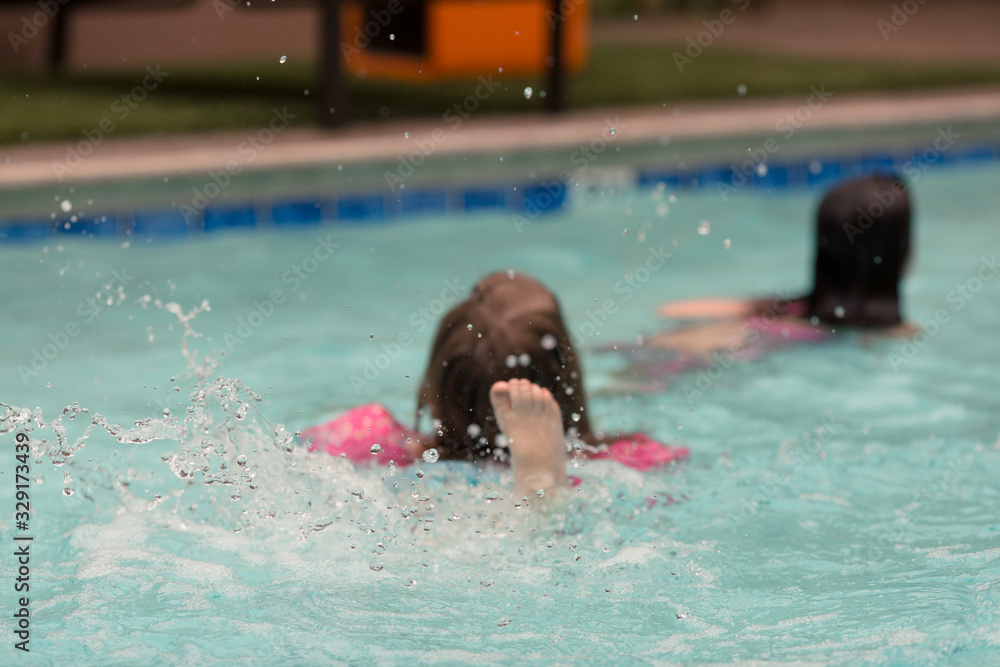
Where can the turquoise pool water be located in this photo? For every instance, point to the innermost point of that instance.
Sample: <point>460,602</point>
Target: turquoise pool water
<point>840,504</point>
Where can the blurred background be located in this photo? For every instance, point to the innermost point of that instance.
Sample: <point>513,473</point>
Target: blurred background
<point>231,61</point>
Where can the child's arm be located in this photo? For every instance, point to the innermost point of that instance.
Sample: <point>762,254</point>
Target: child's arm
<point>701,339</point>
<point>531,420</point>
<point>692,309</point>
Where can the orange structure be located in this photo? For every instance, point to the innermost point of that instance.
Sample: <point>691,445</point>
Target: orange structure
<point>439,39</point>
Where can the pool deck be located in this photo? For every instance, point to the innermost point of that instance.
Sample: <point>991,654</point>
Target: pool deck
<point>816,110</point>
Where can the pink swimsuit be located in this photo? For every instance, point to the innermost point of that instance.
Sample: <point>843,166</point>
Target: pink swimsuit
<point>371,433</point>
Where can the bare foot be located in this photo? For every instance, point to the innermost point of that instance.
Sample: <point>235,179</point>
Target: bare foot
<point>532,421</point>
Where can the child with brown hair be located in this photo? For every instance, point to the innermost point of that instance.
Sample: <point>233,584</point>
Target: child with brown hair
<point>503,382</point>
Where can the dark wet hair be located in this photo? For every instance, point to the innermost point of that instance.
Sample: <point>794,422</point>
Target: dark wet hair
<point>509,327</point>
<point>862,242</point>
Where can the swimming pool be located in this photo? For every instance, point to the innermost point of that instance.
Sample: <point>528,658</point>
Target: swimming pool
<point>839,505</point>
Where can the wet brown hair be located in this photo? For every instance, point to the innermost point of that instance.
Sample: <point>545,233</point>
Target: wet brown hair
<point>509,327</point>
<point>862,243</point>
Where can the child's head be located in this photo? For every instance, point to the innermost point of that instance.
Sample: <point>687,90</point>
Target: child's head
<point>862,242</point>
<point>509,327</point>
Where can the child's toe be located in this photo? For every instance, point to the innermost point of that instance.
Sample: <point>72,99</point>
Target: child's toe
<point>500,396</point>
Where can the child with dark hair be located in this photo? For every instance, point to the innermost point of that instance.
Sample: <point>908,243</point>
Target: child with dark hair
<point>503,382</point>
<point>862,246</point>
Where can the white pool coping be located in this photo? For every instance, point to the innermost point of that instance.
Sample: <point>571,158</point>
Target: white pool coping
<point>125,158</point>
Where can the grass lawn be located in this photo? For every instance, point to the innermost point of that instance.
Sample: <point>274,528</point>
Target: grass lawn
<point>193,99</point>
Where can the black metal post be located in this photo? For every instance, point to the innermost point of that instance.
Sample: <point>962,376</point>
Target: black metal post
<point>57,43</point>
<point>333,98</point>
<point>556,96</point>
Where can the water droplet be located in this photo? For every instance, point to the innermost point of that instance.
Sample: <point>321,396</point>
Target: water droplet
<point>611,130</point>
<point>527,92</point>
<point>741,89</point>
<point>392,37</point>
<point>704,228</point>
<point>430,456</point>
<point>524,359</point>
<point>474,430</point>
<point>510,361</point>
<point>376,448</point>
<point>762,170</point>
<point>66,205</point>
<point>662,210</point>
<point>877,259</point>
<point>549,342</point>
<point>726,244</point>
<point>282,59</point>
<point>241,460</point>
<point>406,135</point>
<point>575,416</point>
<point>839,312</point>
<point>607,549</point>
<point>372,336</point>
<point>469,327</point>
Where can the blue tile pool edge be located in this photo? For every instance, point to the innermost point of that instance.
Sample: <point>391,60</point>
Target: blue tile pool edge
<point>530,199</point>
